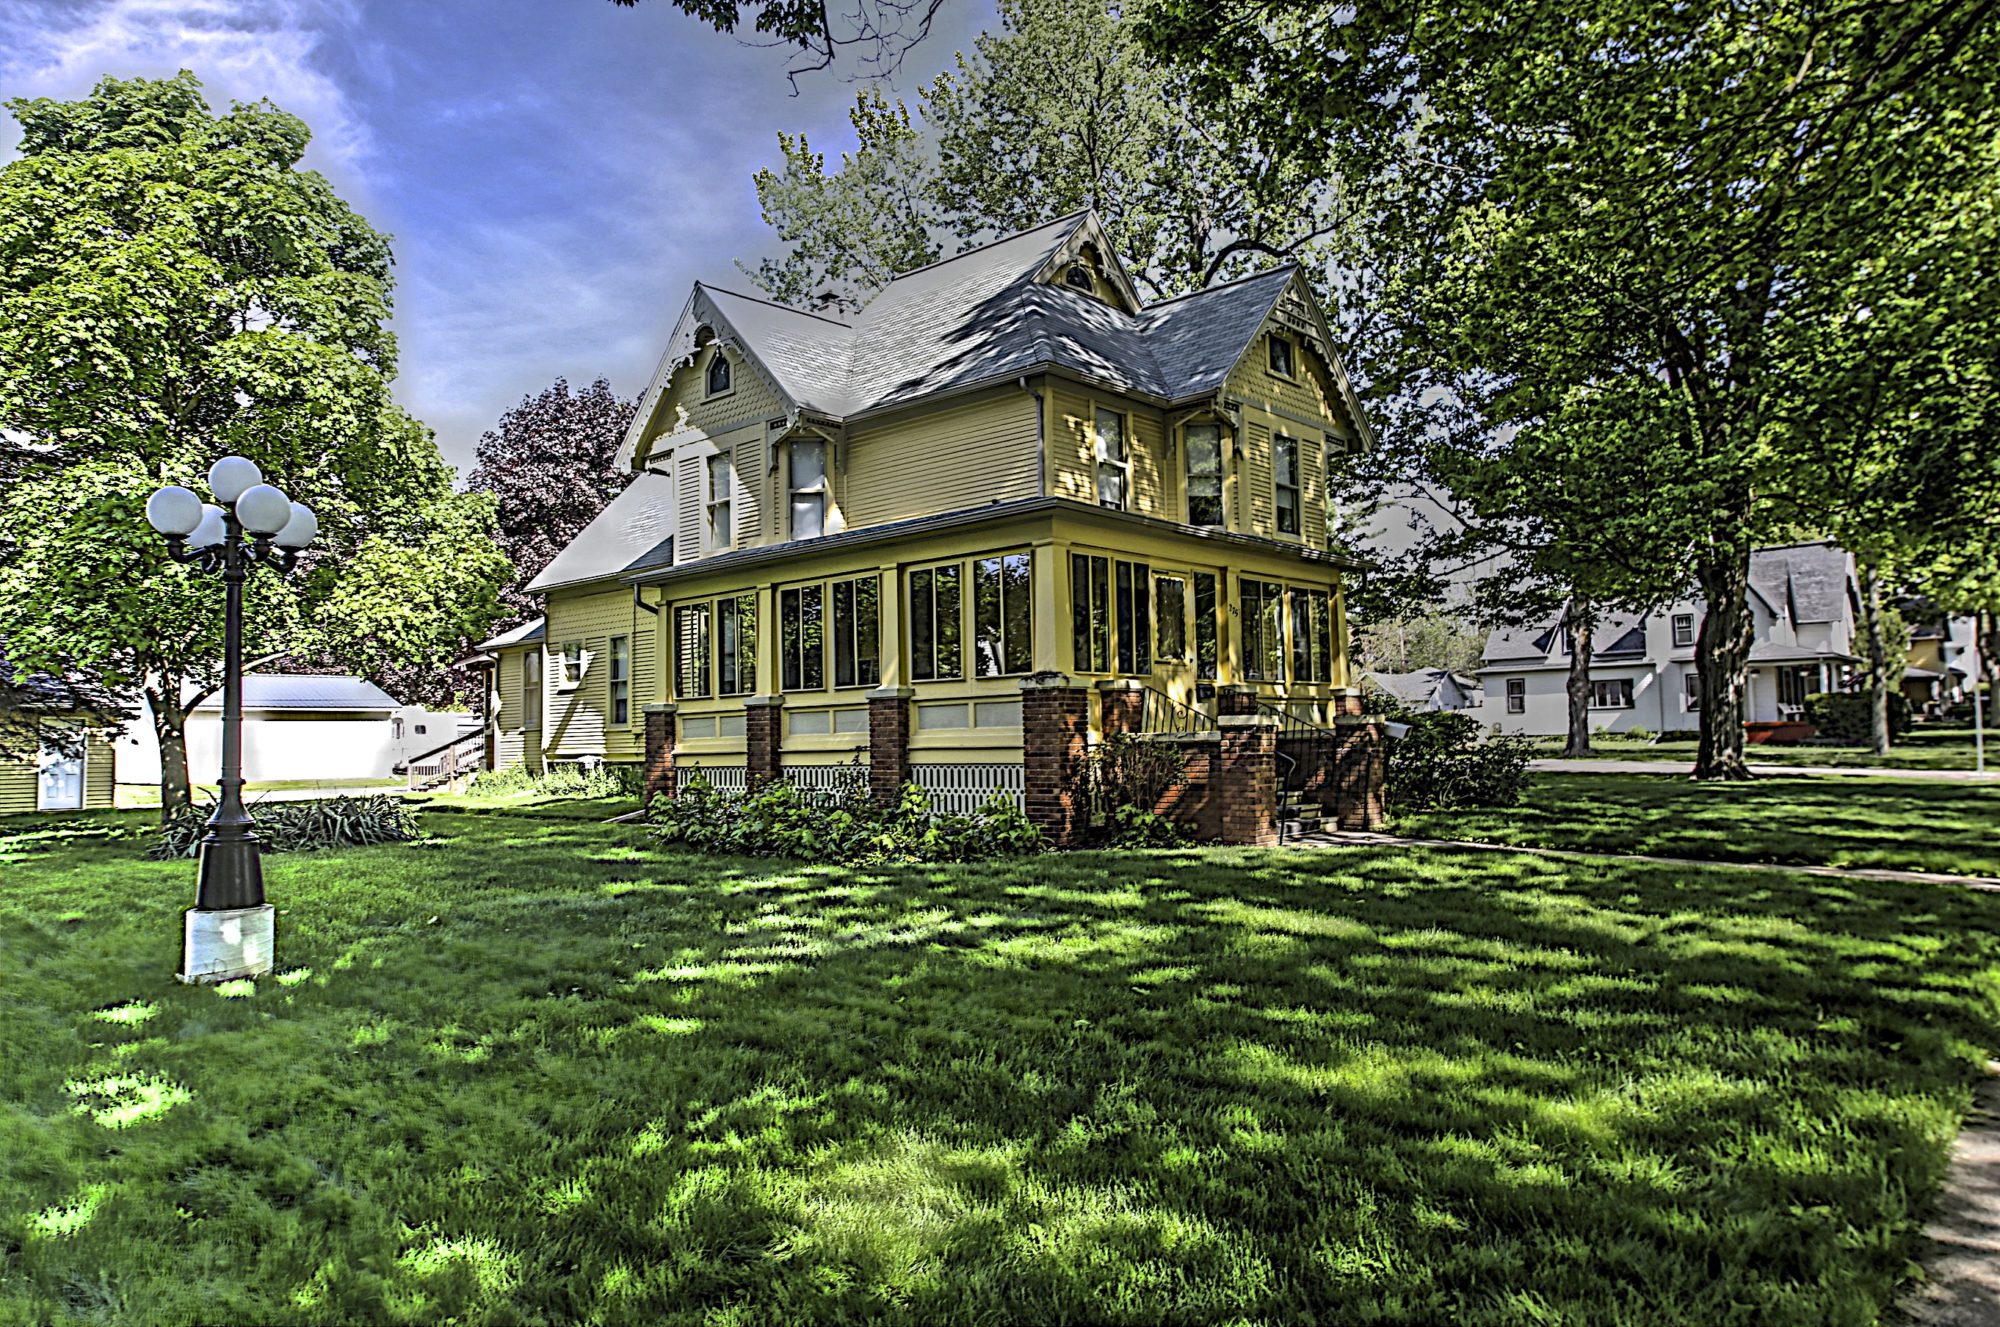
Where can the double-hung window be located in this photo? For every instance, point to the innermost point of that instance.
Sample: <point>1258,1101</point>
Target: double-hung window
<point>531,689</point>
<point>1170,618</point>
<point>621,680</point>
<point>1517,695</point>
<point>857,632</point>
<point>1611,694</point>
<point>936,624</point>
<point>1691,690</point>
<point>1114,464</point>
<point>1135,618</point>
<point>802,638</point>
<point>721,486</point>
<point>1002,619</point>
<point>1090,612</point>
<point>1204,474</point>
<point>1683,630</point>
<point>1206,617</point>
<point>808,488</point>
<point>1312,636</point>
<point>1285,477</point>
<point>572,666</point>
<point>1263,630</point>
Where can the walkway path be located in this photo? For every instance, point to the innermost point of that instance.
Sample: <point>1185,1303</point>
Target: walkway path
<point>1557,765</point>
<point>1961,1286</point>
<point>1344,838</point>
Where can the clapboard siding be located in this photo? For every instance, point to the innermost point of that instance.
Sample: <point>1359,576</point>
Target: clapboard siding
<point>1309,396</point>
<point>20,776</point>
<point>579,717</point>
<point>963,457</point>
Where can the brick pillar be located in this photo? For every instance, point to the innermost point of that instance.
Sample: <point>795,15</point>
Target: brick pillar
<point>763,734</point>
<point>1360,773</point>
<point>1055,731</point>
<point>888,743</point>
<point>1120,706</point>
<point>660,737</point>
<point>1247,779</point>
<point>1235,699</point>
<point>1347,700</point>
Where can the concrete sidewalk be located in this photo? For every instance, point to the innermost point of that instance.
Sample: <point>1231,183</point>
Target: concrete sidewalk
<point>1557,765</point>
<point>1961,1285</point>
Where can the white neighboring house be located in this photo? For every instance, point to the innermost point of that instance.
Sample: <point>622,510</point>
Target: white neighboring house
<point>1803,602</point>
<point>298,727</point>
<point>1429,689</point>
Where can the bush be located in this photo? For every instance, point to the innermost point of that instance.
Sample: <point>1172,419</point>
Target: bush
<point>1442,763</point>
<point>574,778</point>
<point>777,820</point>
<point>1843,715</point>
<point>332,822</point>
<point>1134,827</point>
<point>1119,783</point>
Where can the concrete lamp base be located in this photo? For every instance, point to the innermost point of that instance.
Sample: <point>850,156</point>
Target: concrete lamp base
<point>228,943</point>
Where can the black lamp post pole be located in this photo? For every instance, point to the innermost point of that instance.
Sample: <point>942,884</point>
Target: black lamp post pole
<point>231,874</point>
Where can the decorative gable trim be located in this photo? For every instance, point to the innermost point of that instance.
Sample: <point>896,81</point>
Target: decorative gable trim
<point>699,315</point>
<point>1089,230</point>
<point>1298,313</point>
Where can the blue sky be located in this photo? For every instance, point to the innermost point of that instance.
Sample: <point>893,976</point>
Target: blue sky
<point>555,173</point>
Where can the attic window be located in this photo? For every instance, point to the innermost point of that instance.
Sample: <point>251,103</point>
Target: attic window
<point>718,373</point>
<point>1079,276</point>
<point>1281,356</point>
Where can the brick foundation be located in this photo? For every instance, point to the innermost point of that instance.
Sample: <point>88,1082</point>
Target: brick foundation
<point>1121,707</point>
<point>1246,790</point>
<point>1360,774</point>
<point>659,766</point>
<point>1235,699</point>
<point>1055,727</point>
<point>763,734</point>
<point>888,743</point>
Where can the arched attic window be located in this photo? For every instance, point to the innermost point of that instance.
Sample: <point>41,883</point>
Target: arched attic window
<point>1082,270</point>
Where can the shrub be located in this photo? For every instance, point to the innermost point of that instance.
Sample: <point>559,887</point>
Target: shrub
<point>1442,763</point>
<point>1843,715</point>
<point>1127,773</point>
<point>332,822</point>
<point>1135,827</point>
<point>574,778</point>
<point>777,820</point>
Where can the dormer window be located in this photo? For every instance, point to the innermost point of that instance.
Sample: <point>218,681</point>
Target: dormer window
<point>1281,356</point>
<point>1079,276</point>
<point>808,488</point>
<point>718,373</point>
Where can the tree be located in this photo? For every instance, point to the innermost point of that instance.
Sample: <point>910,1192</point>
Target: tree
<point>1631,190</point>
<point>878,32</point>
<point>174,288</point>
<point>1433,639</point>
<point>551,466</point>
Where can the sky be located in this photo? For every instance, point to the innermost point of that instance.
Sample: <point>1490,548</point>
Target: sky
<point>555,174</point>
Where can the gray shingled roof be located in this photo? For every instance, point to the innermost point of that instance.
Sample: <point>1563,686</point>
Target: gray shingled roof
<point>982,315</point>
<point>286,691</point>
<point>1807,581</point>
<point>526,633</point>
<point>634,530</point>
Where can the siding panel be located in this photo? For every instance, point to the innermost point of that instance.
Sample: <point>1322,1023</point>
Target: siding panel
<point>953,459</point>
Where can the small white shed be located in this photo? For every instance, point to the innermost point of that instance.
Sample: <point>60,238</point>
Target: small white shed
<point>295,727</point>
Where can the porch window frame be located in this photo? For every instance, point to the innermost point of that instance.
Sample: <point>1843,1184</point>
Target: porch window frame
<point>931,665</point>
<point>1016,659</point>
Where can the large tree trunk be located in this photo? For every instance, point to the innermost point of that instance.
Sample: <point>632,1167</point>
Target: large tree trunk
<point>170,727</point>
<point>1878,659</point>
<point>1577,617</point>
<point>1722,659</point>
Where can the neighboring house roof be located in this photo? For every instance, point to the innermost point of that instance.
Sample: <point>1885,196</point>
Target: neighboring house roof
<point>527,633</point>
<point>1418,687</point>
<point>46,693</point>
<point>307,692</point>
<point>1808,580</point>
<point>633,532</point>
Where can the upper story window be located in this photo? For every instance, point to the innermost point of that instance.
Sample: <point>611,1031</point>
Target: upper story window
<point>572,665</point>
<point>721,483</point>
<point>1281,356</point>
<point>1204,474</point>
<point>719,380</point>
<point>808,488</point>
<point>1285,475</point>
<point>621,680</point>
<point>1114,464</point>
<point>1079,277</point>
<point>1683,629</point>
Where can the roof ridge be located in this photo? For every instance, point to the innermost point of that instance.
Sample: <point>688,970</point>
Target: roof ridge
<point>977,248</point>
<point>771,303</point>
<point>1289,265</point>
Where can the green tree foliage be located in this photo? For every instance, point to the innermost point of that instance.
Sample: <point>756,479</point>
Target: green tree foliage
<point>174,288</point>
<point>1433,639</point>
<point>1680,194</point>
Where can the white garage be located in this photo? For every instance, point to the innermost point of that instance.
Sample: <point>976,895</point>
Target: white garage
<point>324,729</point>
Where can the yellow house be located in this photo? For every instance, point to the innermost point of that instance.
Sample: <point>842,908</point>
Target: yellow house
<point>872,540</point>
<point>55,753</point>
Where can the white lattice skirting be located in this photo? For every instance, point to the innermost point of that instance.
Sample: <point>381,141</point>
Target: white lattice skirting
<point>826,782</point>
<point>961,789</point>
<point>722,778</point>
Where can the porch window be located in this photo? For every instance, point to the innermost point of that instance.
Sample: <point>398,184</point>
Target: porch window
<point>1205,633</point>
<point>1691,690</point>
<point>1517,695</point>
<point>718,372</point>
<point>621,680</point>
<point>1135,618</point>
<point>1170,618</point>
<point>1204,474</point>
<point>1263,631</point>
<point>1285,476</point>
<point>1114,465</point>
<point>736,645</point>
<point>808,488</point>
<point>1281,356</point>
<point>531,689</point>
<point>802,638</point>
<point>1003,623</point>
<point>936,624</point>
<point>1312,636</point>
<point>1090,612</point>
<point>1611,694</point>
<point>857,632</point>
<point>691,645</point>
<point>720,483</point>
<point>1683,629</point>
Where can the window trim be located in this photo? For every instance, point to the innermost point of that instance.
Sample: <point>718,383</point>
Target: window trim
<point>710,544</point>
<point>571,675</point>
<point>821,488</point>
<point>1297,488</point>
<point>1098,463</point>
<point>1291,372</point>
<point>618,681</point>
<point>1674,625</point>
<point>1517,695</point>
<point>1221,474</point>
<point>717,354</point>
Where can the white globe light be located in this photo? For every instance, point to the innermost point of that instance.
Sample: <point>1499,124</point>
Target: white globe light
<point>299,531</point>
<point>211,531</point>
<point>232,476</point>
<point>264,510</point>
<point>173,510</point>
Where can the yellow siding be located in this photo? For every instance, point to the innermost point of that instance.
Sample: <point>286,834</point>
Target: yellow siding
<point>1257,513</point>
<point>962,457</point>
<point>1308,396</point>
<point>577,721</point>
<point>685,404</point>
<point>100,773</point>
<point>17,784</point>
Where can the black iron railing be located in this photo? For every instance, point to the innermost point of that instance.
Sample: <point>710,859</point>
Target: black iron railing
<point>1306,750</point>
<point>1161,713</point>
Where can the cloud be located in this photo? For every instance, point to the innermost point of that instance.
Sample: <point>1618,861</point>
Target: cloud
<point>242,50</point>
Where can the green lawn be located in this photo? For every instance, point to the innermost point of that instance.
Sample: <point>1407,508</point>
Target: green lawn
<point>535,1072</point>
<point>1922,748</point>
<point>1851,821</point>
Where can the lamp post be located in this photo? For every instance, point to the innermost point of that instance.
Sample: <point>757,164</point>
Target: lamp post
<point>230,930</point>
